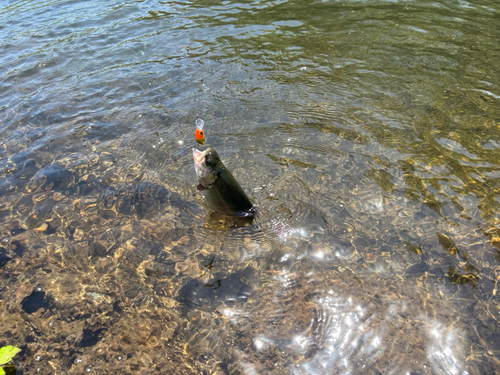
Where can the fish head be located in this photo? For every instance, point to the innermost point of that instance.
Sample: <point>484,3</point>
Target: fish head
<point>205,163</point>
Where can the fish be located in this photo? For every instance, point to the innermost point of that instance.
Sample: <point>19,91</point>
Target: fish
<point>219,188</point>
<point>199,134</point>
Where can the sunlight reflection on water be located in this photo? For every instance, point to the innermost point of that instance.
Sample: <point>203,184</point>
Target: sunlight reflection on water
<point>338,333</point>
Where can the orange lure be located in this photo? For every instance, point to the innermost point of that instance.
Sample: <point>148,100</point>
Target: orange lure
<point>199,134</point>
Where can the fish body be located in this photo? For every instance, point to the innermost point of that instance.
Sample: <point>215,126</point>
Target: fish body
<point>219,188</point>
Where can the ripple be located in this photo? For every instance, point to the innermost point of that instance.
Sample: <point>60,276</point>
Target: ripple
<point>342,325</point>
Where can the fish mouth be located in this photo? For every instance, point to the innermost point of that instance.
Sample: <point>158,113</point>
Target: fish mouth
<point>205,174</point>
<point>199,158</point>
<point>202,171</point>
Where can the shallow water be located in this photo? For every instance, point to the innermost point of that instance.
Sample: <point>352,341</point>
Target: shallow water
<point>366,133</point>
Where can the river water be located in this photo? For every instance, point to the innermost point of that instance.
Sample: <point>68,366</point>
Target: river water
<point>366,133</point>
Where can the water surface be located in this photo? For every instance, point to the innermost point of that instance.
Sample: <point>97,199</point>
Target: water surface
<point>366,132</point>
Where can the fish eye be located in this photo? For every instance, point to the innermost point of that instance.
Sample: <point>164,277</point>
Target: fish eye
<point>210,159</point>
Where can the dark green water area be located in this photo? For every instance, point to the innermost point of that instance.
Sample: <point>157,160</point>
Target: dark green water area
<point>367,133</point>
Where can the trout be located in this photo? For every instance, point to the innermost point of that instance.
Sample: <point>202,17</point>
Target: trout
<point>219,188</point>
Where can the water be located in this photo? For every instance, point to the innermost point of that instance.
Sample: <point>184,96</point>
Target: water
<point>365,132</point>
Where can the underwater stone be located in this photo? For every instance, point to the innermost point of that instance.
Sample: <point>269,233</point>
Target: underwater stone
<point>34,302</point>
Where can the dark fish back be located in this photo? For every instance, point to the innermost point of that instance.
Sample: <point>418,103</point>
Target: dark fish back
<point>230,192</point>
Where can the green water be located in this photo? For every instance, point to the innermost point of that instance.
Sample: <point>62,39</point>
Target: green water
<point>366,133</point>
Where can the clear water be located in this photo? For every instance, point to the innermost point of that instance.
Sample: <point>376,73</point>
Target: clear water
<point>366,132</point>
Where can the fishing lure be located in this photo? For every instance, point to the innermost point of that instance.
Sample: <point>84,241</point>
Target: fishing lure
<point>199,134</point>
